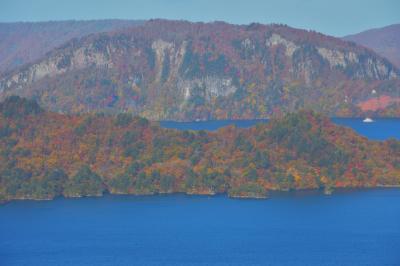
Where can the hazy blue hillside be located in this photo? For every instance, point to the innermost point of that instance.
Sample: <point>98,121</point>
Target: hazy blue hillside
<point>24,42</point>
<point>385,41</point>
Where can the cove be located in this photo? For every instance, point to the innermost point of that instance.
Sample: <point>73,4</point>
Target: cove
<point>380,129</point>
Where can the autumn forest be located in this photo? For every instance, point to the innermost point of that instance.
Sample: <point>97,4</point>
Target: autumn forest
<point>45,154</point>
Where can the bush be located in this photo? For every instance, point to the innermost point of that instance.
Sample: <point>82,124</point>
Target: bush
<point>17,107</point>
<point>251,190</point>
<point>123,119</point>
<point>84,183</point>
<point>122,183</point>
<point>167,183</point>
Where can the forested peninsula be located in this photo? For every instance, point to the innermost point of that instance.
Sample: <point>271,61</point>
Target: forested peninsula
<point>46,154</point>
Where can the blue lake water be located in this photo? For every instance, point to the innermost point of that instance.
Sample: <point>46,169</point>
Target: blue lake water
<point>348,228</point>
<point>359,227</point>
<point>380,129</point>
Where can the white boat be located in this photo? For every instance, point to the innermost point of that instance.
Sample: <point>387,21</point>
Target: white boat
<point>368,120</point>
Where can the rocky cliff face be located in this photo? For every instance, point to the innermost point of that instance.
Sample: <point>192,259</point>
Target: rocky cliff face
<point>185,71</point>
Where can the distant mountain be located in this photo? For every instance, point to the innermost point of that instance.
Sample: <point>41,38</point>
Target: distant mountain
<point>25,42</point>
<point>385,41</point>
<point>185,71</point>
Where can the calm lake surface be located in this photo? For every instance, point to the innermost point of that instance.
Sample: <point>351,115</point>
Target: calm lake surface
<point>347,228</point>
<point>359,227</point>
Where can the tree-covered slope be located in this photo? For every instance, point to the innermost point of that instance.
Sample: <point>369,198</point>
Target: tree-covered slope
<point>45,154</point>
<point>185,71</point>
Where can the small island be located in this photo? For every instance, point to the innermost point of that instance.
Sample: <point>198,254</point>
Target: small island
<point>46,154</point>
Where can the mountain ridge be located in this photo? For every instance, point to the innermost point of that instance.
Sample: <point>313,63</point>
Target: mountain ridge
<point>185,71</point>
<point>25,42</point>
<point>385,41</point>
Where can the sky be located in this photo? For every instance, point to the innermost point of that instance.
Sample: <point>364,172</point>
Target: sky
<point>333,17</point>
